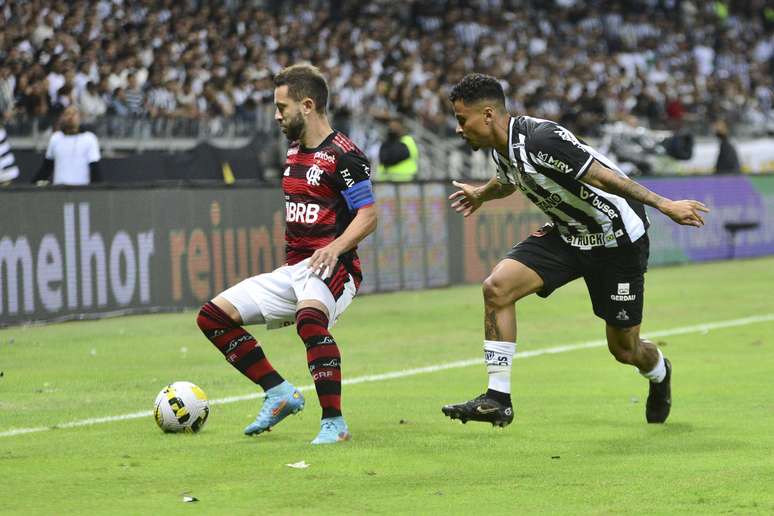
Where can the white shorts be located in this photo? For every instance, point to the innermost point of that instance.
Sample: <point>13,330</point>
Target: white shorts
<point>271,298</point>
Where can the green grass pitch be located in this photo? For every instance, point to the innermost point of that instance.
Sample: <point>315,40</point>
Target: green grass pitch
<point>579,444</point>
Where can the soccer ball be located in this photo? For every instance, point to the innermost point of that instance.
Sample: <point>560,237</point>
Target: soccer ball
<point>181,407</point>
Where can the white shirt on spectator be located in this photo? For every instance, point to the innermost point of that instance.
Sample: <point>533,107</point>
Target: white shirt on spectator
<point>705,56</point>
<point>72,154</point>
<point>55,81</point>
<point>92,106</point>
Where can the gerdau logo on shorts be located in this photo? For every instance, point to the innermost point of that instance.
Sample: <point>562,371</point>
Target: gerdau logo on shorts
<point>623,293</point>
<point>301,212</point>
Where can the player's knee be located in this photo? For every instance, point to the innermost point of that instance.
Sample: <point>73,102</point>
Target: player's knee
<point>311,322</point>
<point>211,316</point>
<point>623,345</point>
<point>498,293</point>
<point>493,291</point>
<point>624,356</point>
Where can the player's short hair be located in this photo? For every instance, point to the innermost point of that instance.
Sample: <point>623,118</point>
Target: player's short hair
<point>304,80</point>
<point>477,86</point>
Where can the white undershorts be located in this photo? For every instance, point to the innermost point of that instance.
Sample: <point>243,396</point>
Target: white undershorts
<point>272,298</point>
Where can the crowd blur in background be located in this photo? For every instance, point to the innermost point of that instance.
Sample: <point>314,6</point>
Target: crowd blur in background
<point>178,64</point>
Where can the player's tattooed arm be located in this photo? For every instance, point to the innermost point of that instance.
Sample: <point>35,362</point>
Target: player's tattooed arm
<point>469,198</point>
<point>494,189</point>
<point>686,212</point>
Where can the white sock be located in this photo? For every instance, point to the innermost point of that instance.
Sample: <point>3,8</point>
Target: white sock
<point>657,374</point>
<point>498,356</point>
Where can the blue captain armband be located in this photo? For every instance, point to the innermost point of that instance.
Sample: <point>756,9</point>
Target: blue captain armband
<point>359,195</point>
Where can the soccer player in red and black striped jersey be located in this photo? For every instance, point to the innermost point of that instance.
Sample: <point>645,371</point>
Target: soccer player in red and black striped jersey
<point>329,209</point>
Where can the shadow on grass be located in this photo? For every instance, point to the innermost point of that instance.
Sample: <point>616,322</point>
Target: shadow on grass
<point>679,438</point>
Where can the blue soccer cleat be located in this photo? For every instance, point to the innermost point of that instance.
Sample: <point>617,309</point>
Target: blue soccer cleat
<point>280,402</point>
<point>332,430</point>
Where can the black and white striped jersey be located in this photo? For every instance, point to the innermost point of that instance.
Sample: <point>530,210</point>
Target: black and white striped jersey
<point>546,162</point>
<point>8,169</point>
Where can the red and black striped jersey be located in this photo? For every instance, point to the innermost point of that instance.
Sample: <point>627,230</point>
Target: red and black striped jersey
<point>324,187</point>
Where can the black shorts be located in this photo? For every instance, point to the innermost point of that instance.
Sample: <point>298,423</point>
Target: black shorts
<point>614,276</point>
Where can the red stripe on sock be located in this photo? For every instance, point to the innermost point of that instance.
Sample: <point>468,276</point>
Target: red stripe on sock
<point>322,351</point>
<point>311,315</point>
<point>242,350</point>
<point>307,331</point>
<point>258,370</point>
<point>330,401</point>
<point>311,322</point>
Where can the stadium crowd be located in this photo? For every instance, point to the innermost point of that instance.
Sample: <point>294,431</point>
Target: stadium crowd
<point>581,62</point>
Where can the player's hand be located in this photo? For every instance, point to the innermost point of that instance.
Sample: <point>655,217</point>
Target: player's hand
<point>465,200</point>
<point>324,260</point>
<point>686,212</point>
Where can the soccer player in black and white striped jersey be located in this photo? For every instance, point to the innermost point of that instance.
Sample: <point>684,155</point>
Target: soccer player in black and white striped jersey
<point>597,230</point>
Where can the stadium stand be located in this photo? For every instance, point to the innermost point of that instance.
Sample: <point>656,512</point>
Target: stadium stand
<point>141,68</point>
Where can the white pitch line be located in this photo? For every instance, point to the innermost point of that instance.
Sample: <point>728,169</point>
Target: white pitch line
<point>416,371</point>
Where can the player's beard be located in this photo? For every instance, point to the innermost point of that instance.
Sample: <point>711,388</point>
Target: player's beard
<point>295,128</point>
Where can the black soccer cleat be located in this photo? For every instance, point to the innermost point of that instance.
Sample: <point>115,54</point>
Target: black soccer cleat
<point>660,398</point>
<point>481,409</point>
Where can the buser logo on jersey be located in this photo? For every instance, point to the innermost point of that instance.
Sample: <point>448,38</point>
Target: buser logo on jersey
<point>598,203</point>
<point>301,212</point>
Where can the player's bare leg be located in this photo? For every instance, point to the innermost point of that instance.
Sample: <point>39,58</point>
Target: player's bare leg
<point>229,309</point>
<point>509,281</point>
<point>324,359</point>
<point>627,347</point>
<point>221,323</point>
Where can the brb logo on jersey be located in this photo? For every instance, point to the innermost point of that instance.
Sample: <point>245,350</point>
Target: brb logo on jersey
<point>301,212</point>
<point>313,175</point>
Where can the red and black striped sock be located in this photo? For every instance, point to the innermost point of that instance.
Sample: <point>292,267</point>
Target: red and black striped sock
<point>240,348</point>
<point>323,357</point>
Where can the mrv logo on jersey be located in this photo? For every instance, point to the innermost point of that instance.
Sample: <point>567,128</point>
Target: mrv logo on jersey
<point>301,212</point>
<point>549,161</point>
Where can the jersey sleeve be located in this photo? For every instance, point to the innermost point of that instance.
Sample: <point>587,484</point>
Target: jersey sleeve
<point>93,154</point>
<point>353,176</point>
<point>52,145</point>
<point>554,147</point>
